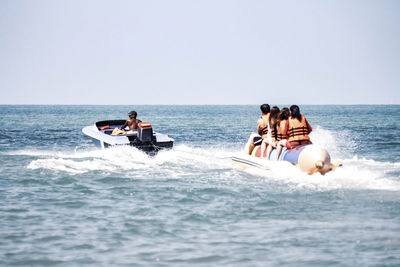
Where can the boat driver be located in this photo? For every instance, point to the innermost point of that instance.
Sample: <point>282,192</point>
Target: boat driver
<point>132,122</point>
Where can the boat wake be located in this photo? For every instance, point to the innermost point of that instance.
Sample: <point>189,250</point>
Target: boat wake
<point>123,159</point>
<point>355,174</point>
<point>184,162</point>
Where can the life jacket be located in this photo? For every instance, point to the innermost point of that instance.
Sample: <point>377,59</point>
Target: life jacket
<point>298,130</point>
<point>280,127</point>
<point>264,130</point>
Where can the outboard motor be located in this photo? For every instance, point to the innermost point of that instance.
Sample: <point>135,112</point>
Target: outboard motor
<point>145,132</point>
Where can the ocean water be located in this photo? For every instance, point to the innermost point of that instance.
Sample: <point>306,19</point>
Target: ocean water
<point>64,202</point>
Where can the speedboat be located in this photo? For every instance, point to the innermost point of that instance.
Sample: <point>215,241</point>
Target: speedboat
<point>144,138</point>
<point>308,158</point>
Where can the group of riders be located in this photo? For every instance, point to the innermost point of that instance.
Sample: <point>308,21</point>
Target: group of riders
<point>278,128</point>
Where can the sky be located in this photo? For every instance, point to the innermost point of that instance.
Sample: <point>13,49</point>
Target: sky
<point>199,52</point>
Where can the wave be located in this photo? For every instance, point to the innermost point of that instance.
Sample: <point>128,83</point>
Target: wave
<point>354,175</point>
<point>125,158</point>
<point>338,143</point>
<point>184,161</point>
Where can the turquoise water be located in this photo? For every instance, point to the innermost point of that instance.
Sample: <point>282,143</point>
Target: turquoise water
<point>64,202</point>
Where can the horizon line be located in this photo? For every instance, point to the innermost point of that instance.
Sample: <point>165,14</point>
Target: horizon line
<point>355,104</point>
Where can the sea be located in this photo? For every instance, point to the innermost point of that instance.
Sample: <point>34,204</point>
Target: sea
<point>65,202</point>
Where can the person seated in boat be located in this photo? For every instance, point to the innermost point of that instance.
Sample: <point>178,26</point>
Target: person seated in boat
<point>298,128</point>
<point>270,139</point>
<point>132,123</point>
<point>262,129</point>
<point>281,130</point>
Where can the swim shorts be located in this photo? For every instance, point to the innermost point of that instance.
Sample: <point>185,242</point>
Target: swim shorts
<point>257,140</point>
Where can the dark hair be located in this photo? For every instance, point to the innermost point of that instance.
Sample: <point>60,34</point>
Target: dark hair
<point>284,114</point>
<point>295,112</point>
<point>132,113</point>
<point>273,117</point>
<point>265,108</point>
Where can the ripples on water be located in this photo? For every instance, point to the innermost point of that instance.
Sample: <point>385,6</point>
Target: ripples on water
<point>65,202</point>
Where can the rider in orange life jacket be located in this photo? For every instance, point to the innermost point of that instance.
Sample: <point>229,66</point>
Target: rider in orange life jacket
<point>281,129</point>
<point>298,128</point>
<point>262,128</point>
<point>270,138</point>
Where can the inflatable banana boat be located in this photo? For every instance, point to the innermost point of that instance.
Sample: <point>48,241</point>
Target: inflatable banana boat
<point>308,158</point>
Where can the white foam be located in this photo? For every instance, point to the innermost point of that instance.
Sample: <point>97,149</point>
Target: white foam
<point>361,175</point>
<point>70,166</point>
<point>125,158</point>
<point>337,143</point>
<point>183,160</point>
<point>355,174</point>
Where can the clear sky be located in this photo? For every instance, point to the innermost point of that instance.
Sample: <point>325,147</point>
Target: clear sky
<point>199,52</point>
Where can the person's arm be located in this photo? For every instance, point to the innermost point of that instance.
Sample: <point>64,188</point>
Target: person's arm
<point>123,126</point>
<point>135,125</point>
<point>308,126</point>
<point>259,126</point>
<point>285,130</point>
